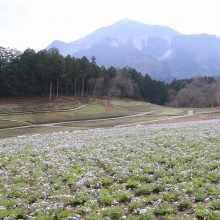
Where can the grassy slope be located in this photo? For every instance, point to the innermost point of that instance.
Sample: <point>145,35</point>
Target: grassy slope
<point>72,115</point>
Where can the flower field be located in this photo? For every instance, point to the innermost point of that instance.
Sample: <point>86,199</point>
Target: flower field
<point>169,171</point>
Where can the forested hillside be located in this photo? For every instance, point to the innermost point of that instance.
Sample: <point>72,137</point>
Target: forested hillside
<point>195,92</point>
<point>48,73</point>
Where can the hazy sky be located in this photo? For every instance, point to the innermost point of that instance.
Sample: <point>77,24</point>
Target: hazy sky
<point>36,23</point>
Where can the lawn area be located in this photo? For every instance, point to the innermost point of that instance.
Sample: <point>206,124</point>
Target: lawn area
<point>91,111</point>
<point>10,124</point>
<point>68,114</point>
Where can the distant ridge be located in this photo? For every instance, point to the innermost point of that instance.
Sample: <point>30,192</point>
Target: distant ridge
<point>160,51</point>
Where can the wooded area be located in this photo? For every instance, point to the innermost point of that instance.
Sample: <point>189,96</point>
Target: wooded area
<point>195,92</point>
<point>47,73</point>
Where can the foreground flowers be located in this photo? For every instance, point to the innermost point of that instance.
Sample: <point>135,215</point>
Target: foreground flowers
<point>145,172</point>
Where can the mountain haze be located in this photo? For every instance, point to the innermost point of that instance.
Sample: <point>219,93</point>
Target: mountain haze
<point>160,51</point>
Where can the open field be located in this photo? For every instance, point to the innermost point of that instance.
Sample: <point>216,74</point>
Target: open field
<point>123,160</point>
<point>35,115</point>
<point>20,113</point>
<point>61,112</point>
<point>91,111</point>
<point>164,171</point>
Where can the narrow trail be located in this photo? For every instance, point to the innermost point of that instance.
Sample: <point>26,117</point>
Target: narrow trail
<point>59,124</point>
<point>12,120</point>
<point>151,121</point>
<point>28,124</point>
<point>45,111</point>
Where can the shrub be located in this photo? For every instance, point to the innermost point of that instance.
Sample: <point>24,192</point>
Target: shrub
<point>79,198</point>
<point>61,214</point>
<point>146,216</point>
<point>159,188</point>
<point>201,212</point>
<point>148,170</point>
<point>215,205</point>
<point>142,178</point>
<point>144,189</point>
<point>214,215</point>
<point>213,177</point>
<point>184,204</point>
<point>164,209</point>
<point>170,196</point>
<point>4,214</point>
<point>135,205</point>
<point>123,196</point>
<point>114,212</point>
<point>106,181</point>
<point>168,180</point>
<point>132,184</point>
<point>93,216</point>
<point>200,196</point>
<point>152,198</point>
<point>20,213</point>
<point>106,198</point>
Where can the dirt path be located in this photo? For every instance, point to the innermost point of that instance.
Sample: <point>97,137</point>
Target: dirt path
<point>46,111</point>
<point>152,121</point>
<point>182,118</point>
<point>12,120</point>
<point>59,124</point>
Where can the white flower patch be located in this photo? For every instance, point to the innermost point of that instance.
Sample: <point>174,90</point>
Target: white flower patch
<point>66,172</point>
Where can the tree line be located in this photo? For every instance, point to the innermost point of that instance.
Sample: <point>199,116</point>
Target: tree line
<point>195,92</point>
<point>48,73</point>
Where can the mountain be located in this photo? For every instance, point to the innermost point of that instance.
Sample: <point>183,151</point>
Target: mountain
<point>160,51</point>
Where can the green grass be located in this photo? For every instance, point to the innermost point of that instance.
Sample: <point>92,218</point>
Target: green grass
<point>93,109</point>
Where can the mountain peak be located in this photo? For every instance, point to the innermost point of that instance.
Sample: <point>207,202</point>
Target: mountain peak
<point>124,20</point>
<point>128,29</point>
<point>160,51</point>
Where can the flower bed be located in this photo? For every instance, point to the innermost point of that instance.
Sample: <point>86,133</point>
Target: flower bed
<point>169,171</point>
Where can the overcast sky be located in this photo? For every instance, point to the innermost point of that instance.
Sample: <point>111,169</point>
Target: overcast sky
<point>36,23</point>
